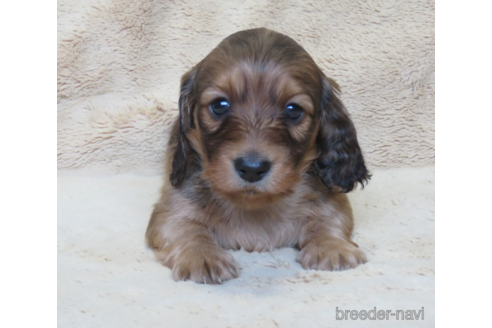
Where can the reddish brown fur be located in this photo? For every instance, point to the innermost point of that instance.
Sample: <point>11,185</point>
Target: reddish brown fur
<point>207,208</point>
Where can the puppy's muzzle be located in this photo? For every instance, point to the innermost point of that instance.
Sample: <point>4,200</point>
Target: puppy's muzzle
<point>252,168</point>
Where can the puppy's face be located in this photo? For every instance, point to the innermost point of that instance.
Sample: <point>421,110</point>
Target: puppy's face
<point>252,113</point>
<point>256,128</point>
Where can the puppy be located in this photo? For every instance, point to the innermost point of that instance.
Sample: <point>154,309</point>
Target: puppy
<point>262,154</point>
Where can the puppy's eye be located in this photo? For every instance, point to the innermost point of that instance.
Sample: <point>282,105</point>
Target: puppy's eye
<point>293,112</point>
<point>220,107</point>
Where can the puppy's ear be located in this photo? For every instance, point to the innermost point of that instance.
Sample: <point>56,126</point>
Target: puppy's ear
<point>183,152</point>
<point>340,164</point>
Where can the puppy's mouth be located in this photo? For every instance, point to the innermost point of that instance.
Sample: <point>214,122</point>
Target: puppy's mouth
<point>250,185</point>
<point>250,192</point>
<point>251,198</point>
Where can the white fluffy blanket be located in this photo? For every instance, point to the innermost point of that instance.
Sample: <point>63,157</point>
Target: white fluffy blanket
<point>107,278</point>
<point>120,61</point>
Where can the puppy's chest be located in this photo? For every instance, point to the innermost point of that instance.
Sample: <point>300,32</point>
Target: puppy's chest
<point>259,230</point>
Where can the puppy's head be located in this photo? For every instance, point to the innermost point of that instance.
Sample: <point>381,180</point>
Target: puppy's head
<point>258,113</point>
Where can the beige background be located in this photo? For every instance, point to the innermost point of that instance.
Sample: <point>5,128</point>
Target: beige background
<point>120,61</point>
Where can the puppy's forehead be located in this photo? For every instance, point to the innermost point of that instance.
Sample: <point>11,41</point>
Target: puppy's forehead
<point>244,76</point>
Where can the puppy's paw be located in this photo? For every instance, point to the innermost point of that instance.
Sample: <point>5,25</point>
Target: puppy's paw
<point>205,267</point>
<point>331,255</point>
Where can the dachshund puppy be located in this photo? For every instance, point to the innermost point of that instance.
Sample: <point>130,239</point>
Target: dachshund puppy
<point>263,153</point>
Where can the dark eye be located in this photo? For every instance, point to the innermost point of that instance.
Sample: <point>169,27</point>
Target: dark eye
<point>293,112</point>
<point>220,107</point>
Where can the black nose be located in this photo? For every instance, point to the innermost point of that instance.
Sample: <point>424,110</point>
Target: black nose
<point>251,168</point>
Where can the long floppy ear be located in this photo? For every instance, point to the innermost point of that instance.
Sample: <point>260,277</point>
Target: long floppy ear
<point>340,164</point>
<point>183,152</point>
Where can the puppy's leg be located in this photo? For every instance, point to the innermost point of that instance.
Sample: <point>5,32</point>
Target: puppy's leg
<point>188,248</point>
<point>325,241</point>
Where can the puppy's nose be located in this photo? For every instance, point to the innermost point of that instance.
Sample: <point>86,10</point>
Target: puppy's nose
<point>251,168</point>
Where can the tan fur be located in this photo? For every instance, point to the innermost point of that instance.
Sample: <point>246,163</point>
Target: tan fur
<point>213,210</point>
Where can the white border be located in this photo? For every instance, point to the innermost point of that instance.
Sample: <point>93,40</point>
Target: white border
<point>28,163</point>
<point>463,162</point>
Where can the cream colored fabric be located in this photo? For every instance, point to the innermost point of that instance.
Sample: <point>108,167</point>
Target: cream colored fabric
<point>120,62</point>
<point>107,278</point>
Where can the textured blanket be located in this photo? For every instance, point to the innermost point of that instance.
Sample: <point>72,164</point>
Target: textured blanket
<point>107,278</point>
<point>120,62</point>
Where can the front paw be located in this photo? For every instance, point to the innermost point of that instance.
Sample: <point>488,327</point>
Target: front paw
<point>205,266</point>
<point>331,255</point>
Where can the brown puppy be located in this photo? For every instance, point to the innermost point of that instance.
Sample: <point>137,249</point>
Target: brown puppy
<point>263,151</point>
